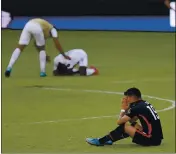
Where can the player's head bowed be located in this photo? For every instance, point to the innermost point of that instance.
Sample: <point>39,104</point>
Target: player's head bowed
<point>132,95</point>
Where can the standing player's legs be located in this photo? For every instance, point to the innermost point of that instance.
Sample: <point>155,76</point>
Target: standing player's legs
<point>40,45</point>
<point>24,40</point>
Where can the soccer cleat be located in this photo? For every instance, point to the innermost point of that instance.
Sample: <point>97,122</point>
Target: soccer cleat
<point>93,141</point>
<point>42,74</point>
<point>109,142</point>
<point>7,72</point>
<point>96,70</point>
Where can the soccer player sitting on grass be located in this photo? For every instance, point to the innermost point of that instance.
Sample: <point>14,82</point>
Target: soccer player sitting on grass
<point>149,133</point>
<point>40,30</point>
<point>78,57</point>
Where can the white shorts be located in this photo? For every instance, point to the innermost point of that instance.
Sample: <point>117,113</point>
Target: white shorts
<point>172,14</point>
<point>32,29</point>
<point>78,56</point>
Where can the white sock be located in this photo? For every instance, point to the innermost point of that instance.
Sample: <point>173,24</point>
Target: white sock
<point>75,70</point>
<point>42,58</point>
<point>14,57</point>
<point>89,71</point>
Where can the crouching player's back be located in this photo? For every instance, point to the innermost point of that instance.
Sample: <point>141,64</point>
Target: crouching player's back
<point>79,58</point>
<point>45,25</point>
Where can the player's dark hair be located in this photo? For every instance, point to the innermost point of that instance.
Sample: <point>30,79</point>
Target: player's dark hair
<point>133,92</point>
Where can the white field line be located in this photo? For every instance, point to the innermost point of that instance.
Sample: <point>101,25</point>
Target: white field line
<point>144,80</point>
<point>94,152</point>
<point>75,119</point>
<point>124,82</point>
<point>100,117</point>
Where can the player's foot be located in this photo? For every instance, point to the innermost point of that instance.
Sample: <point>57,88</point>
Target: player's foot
<point>42,74</point>
<point>7,72</point>
<point>96,70</point>
<point>93,141</point>
<point>109,142</point>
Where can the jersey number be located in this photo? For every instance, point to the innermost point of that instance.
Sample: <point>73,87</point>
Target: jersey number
<point>154,113</point>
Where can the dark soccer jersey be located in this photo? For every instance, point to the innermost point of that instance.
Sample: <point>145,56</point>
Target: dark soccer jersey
<point>148,117</point>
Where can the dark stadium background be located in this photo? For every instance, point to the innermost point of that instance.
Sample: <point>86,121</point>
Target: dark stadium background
<point>85,7</point>
<point>120,15</point>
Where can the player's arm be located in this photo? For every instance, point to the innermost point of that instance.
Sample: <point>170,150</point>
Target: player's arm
<point>127,114</point>
<point>57,43</point>
<point>123,120</point>
<point>124,108</point>
<point>167,3</point>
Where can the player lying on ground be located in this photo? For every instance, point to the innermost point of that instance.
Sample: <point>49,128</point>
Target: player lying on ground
<point>78,57</point>
<point>40,30</point>
<point>133,108</point>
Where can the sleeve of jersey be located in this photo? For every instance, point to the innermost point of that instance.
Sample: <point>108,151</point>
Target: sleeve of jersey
<point>53,32</point>
<point>131,112</point>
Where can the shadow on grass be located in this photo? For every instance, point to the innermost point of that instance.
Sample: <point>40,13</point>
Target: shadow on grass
<point>123,146</point>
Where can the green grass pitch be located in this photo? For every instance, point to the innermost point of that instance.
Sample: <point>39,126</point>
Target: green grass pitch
<point>58,119</point>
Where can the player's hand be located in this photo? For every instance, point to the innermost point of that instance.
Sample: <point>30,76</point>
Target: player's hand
<point>125,105</point>
<point>67,57</point>
<point>48,59</point>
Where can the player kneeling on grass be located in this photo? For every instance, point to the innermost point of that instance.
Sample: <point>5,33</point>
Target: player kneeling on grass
<point>78,57</point>
<point>40,30</point>
<point>149,133</point>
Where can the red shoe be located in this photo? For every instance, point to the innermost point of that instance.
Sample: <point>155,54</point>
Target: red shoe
<point>96,70</point>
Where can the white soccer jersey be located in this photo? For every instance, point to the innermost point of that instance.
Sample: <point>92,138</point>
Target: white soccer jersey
<point>78,56</point>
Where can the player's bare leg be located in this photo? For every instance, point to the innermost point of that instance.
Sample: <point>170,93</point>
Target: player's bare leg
<point>15,55</point>
<point>130,130</point>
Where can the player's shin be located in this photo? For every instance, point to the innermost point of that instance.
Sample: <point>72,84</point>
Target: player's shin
<point>14,57</point>
<point>42,58</point>
<point>114,135</point>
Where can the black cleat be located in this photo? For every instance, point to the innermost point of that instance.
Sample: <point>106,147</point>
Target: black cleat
<point>7,73</point>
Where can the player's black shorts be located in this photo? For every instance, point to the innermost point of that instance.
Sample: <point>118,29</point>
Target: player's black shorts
<point>145,140</point>
<point>62,70</point>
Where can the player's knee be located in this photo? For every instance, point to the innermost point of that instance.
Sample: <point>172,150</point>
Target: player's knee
<point>130,130</point>
<point>82,71</point>
<point>40,48</point>
<point>126,127</point>
<point>21,47</point>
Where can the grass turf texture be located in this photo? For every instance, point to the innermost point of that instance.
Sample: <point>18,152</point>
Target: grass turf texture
<point>146,58</point>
